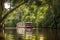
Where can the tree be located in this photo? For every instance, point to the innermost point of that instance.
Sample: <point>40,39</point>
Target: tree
<point>1,24</point>
<point>11,11</point>
<point>3,17</point>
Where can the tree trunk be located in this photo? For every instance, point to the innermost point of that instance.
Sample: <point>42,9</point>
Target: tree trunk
<point>1,26</point>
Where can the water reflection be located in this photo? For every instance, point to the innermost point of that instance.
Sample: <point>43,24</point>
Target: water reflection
<point>42,37</point>
<point>42,34</point>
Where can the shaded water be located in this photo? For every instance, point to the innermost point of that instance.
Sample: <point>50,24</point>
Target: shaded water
<point>41,34</point>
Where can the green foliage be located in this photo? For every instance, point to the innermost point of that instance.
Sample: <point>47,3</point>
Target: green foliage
<point>39,12</point>
<point>36,13</point>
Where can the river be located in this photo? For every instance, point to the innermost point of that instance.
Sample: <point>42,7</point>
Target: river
<point>41,34</point>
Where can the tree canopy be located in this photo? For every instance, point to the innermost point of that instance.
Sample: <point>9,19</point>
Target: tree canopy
<point>43,13</point>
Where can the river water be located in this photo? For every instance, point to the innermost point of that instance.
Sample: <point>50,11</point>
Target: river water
<point>41,34</point>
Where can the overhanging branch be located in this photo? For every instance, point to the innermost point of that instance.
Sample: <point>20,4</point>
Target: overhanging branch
<point>5,16</point>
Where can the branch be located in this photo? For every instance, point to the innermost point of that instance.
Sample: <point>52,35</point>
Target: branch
<point>5,16</point>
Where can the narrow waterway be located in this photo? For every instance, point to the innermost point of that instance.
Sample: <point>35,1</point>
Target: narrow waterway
<point>41,34</point>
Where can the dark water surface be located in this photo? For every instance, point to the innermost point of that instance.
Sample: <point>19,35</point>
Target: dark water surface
<point>41,34</point>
